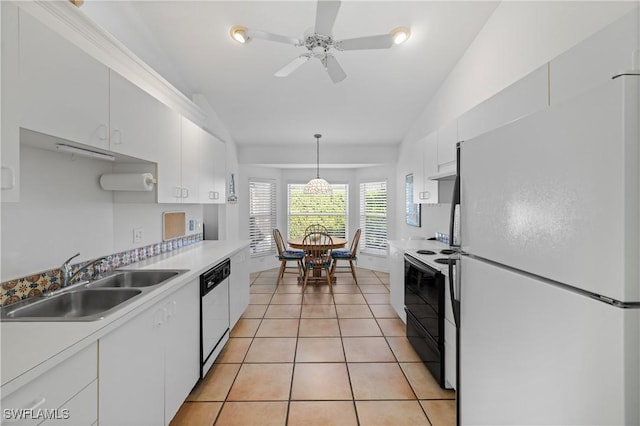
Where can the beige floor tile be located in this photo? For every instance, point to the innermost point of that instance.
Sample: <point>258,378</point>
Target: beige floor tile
<point>321,382</point>
<point>353,311</point>
<point>383,311</point>
<point>253,413</point>
<point>365,272</point>
<point>260,299</point>
<point>367,349</point>
<point>245,328</point>
<point>272,349</point>
<point>373,288</point>
<point>278,328</point>
<point>261,288</point>
<point>392,326</point>
<point>377,299</point>
<point>319,327</point>
<point>270,272</point>
<point>349,299</point>
<point>440,412</point>
<point>283,311</point>
<point>285,288</point>
<point>319,311</point>
<point>320,288</point>
<point>286,299</point>
<point>254,275</point>
<point>265,280</point>
<point>322,413</point>
<point>423,383</point>
<point>403,350</point>
<point>311,298</point>
<point>319,349</point>
<point>390,413</point>
<point>234,350</point>
<point>196,414</point>
<point>290,279</point>
<point>216,384</point>
<point>359,327</point>
<point>379,381</point>
<point>368,279</point>
<point>255,311</point>
<point>262,382</point>
<point>344,288</point>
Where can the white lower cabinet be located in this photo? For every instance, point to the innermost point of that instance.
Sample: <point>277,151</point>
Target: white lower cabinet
<point>64,395</point>
<point>149,365</point>
<point>396,282</point>
<point>238,286</point>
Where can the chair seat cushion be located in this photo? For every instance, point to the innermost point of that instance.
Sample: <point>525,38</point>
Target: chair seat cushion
<point>292,254</point>
<point>341,254</point>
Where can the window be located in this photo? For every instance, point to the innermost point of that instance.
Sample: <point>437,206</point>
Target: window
<point>328,210</point>
<point>262,217</point>
<point>373,217</point>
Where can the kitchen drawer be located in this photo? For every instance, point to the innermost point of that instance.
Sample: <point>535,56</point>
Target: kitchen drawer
<point>80,410</point>
<point>53,388</point>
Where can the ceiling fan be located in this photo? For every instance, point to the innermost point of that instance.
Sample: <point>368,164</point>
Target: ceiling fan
<point>320,43</point>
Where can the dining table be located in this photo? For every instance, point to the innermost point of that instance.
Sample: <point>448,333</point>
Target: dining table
<point>298,243</point>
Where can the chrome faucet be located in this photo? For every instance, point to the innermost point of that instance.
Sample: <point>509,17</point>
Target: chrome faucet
<point>68,276</point>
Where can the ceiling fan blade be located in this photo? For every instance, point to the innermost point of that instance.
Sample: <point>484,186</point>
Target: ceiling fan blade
<point>382,41</point>
<point>334,69</point>
<point>292,66</point>
<point>326,14</point>
<point>273,37</point>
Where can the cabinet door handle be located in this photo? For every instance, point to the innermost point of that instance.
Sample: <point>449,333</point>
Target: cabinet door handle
<point>8,180</point>
<point>171,309</point>
<point>103,134</point>
<point>178,191</point>
<point>185,192</point>
<point>213,195</point>
<point>425,195</point>
<point>37,403</point>
<point>159,317</point>
<point>116,137</point>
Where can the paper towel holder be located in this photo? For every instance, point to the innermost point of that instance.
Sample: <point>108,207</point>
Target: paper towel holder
<point>127,181</point>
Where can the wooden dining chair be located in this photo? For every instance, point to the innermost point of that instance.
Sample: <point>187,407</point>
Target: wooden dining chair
<point>350,255</point>
<point>316,228</point>
<point>317,256</point>
<point>286,255</point>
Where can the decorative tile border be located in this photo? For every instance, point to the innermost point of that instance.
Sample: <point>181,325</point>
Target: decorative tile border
<point>39,283</point>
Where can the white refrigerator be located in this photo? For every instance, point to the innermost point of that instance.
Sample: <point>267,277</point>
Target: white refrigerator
<point>547,283</point>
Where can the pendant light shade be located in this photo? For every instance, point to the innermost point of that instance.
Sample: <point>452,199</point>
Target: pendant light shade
<point>318,185</point>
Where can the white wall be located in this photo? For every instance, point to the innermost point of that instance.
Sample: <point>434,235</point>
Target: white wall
<point>518,38</point>
<point>63,210</point>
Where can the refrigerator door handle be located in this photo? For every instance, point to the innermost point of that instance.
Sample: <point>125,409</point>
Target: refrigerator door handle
<point>454,288</point>
<point>455,204</point>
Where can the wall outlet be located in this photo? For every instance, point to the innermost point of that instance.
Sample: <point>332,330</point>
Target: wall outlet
<point>137,235</point>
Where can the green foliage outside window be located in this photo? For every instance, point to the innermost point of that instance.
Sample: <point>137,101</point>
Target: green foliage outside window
<point>310,209</point>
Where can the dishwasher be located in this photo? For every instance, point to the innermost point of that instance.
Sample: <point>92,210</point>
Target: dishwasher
<point>214,313</point>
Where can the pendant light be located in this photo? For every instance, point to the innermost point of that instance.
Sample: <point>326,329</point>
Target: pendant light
<point>317,186</point>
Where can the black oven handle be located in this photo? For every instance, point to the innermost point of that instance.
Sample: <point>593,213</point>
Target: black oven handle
<point>419,265</point>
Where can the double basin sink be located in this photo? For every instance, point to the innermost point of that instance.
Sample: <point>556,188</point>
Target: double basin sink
<point>89,301</point>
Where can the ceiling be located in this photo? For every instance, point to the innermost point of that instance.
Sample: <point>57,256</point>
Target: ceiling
<point>385,91</point>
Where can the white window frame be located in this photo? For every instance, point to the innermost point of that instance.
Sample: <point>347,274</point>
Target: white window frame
<point>371,237</point>
<point>335,187</point>
<point>262,216</point>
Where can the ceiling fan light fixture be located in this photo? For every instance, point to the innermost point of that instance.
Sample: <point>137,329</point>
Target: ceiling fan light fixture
<point>239,34</point>
<point>400,35</point>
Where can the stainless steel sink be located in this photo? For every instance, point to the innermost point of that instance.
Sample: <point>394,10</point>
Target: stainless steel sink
<point>88,301</point>
<point>134,279</point>
<point>78,305</point>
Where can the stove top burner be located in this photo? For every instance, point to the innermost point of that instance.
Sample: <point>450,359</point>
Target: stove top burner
<point>447,251</point>
<point>425,252</point>
<point>444,261</point>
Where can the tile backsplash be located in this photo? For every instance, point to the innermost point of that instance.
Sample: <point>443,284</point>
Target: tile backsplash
<point>42,282</point>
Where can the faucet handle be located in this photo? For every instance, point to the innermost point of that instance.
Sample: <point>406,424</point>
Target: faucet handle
<point>71,258</point>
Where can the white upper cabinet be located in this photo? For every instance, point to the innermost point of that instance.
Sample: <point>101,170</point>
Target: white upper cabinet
<point>212,170</point>
<point>522,98</point>
<point>63,91</point>
<point>10,155</point>
<point>192,141</point>
<point>595,60</point>
<point>140,124</point>
<point>425,191</point>
<point>447,139</point>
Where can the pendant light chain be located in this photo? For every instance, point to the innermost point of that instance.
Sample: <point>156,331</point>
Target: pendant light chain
<point>318,136</point>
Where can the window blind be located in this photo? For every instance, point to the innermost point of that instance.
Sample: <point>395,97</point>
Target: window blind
<point>373,217</point>
<point>309,209</point>
<point>262,217</point>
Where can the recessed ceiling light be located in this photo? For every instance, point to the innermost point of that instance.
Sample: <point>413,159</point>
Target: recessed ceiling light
<point>239,34</point>
<point>400,35</point>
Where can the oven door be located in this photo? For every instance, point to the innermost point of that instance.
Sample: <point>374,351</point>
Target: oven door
<point>424,297</point>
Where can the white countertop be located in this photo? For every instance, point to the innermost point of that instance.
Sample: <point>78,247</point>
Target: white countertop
<point>28,349</point>
<point>411,247</point>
